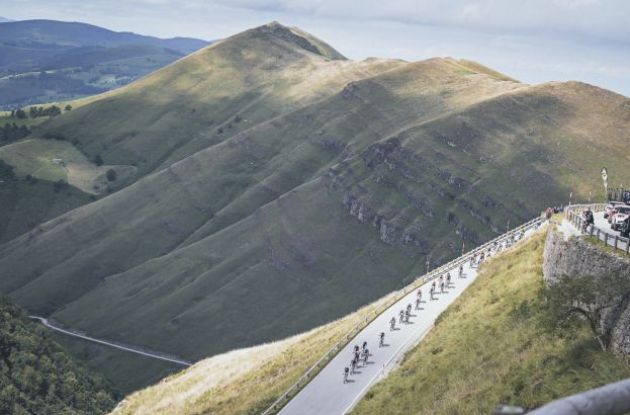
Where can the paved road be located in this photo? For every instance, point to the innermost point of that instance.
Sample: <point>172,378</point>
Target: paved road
<point>603,226</point>
<point>327,394</point>
<point>51,326</point>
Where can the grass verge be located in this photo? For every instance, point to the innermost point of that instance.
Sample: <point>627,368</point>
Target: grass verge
<point>244,381</point>
<point>495,345</point>
<point>604,247</point>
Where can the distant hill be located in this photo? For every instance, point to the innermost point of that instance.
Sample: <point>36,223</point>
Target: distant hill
<point>47,60</point>
<point>38,377</point>
<point>4,20</point>
<point>280,186</point>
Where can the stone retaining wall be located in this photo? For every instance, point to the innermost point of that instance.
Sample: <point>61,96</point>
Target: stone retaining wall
<point>576,256</point>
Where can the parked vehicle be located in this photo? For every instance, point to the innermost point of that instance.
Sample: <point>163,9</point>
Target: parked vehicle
<point>624,229</point>
<point>610,208</point>
<point>621,214</point>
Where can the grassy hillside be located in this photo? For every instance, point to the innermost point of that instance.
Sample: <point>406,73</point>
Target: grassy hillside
<point>55,160</point>
<point>212,95</point>
<point>45,60</point>
<point>526,363</point>
<point>275,175</point>
<point>126,372</point>
<point>38,377</point>
<point>496,345</point>
<point>244,381</point>
<point>28,203</point>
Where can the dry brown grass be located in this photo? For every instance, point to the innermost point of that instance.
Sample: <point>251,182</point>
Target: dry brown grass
<point>245,380</point>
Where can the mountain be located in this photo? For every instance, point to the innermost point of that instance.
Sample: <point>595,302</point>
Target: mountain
<point>38,377</point>
<point>506,303</point>
<point>280,186</point>
<point>47,60</point>
<point>4,20</point>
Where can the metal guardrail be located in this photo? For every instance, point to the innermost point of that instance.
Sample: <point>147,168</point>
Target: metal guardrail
<point>611,399</point>
<point>419,281</point>
<point>575,218</point>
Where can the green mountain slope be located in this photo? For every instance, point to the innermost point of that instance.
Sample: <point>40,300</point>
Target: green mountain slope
<point>46,60</point>
<point>499,327</point>
<point>214,94</point>
<point>27,203</point>
<point>37,377</point>
<point>279,189</point>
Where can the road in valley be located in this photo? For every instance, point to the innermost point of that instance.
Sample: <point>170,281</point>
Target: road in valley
<point>153,355</point>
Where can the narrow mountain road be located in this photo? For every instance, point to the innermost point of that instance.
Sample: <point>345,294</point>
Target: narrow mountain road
<point>327,394</point>
<point>604,226</point>
<point>165,358</point>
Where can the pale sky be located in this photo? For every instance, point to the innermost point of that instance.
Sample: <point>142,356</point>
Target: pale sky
<point>533,41</point>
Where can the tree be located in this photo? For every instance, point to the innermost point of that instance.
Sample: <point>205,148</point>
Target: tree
<point>111,175</point>
<point>20,114</point>
<point>6,171</point>
<point>68,108</point>
<point>59,185</point>
<point>589,297</point>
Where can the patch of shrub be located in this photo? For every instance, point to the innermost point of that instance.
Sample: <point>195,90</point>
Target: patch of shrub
<point>55,136</point>
<point>111,175</point>
<point>59,185</point>
<point>11,132</point>
<point>38,377</point>
<point>6,171</point>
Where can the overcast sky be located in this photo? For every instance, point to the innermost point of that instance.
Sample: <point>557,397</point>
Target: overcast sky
<point>534,40</point>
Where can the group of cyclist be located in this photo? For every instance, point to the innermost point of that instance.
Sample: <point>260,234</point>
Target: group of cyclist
<point>361,354</point>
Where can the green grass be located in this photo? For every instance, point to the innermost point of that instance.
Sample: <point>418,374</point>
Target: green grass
<point>605,247</point>
<point>243,381</point>
<point>281,179</point>
<point>26,205</point>
<point>494,345</point>
<point>35,157</point>
<point>128,372</point>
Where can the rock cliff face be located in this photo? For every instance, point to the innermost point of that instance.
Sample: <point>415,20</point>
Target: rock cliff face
<point>577,256</point>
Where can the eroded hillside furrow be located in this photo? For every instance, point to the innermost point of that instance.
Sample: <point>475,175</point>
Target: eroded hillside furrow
<point>337,182</point>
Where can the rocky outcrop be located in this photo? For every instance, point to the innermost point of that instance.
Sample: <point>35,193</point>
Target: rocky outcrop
<point>578,257</point>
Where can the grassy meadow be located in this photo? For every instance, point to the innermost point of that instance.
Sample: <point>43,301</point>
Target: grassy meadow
<point>493,346</point>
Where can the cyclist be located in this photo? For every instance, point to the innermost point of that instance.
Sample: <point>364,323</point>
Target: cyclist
<point>381,339</point>
<point>366,354</point>
<point>402,315</point>
<point>346,371</point>
<point>442,287</point>
<point>407,314</point>
<point>432,290</point>
<point>417,304</point>
<point>392,324</point>
<point>448,279</point>
<point>441,279</point>
<point>364,345</point>
<point>420,294</point>
<point>353,366</point>
<point>461,270</point>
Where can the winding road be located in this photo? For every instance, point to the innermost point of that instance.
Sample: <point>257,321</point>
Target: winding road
<point>153,355</point>
<point>327,394</point>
